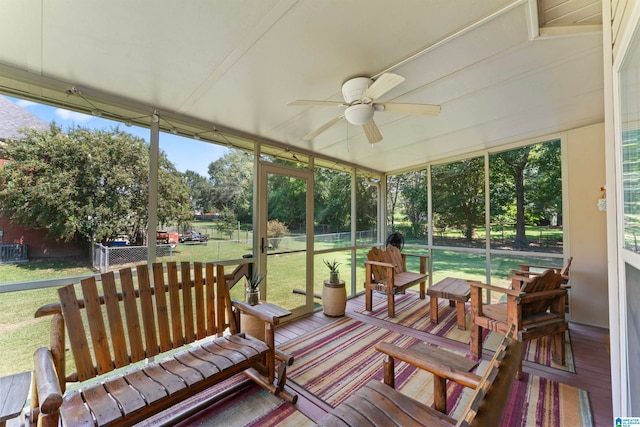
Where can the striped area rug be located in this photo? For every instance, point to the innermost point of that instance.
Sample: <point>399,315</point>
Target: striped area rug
<point>333,362</point>
<point>414,313</point>
<point>256,408</point>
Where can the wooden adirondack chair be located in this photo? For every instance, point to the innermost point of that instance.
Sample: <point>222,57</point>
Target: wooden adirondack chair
<point>537,310</point>
<point>531,270</point>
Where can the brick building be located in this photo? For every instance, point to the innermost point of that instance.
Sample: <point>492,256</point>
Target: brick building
<point>13,118</point>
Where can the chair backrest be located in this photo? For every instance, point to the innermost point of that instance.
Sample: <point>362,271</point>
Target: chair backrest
<point>547,281</point>
<point>486,406</point>
<point>142,321</point>
<point>390,255</point>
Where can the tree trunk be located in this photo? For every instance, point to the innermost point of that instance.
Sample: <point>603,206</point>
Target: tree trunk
<point>518,176</point>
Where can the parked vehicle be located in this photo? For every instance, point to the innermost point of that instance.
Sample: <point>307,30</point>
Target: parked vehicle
<point>193,236</point>
<point>162,237</point>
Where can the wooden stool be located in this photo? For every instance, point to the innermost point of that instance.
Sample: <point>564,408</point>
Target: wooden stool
<point>456,291</point>
<point>13,395</point>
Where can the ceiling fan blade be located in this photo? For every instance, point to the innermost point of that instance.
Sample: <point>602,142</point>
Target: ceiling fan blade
<point>310,102</point>
<point>417,109</point>
<point>382,85</point>
<point>372,132</point>
<point>322,128</point>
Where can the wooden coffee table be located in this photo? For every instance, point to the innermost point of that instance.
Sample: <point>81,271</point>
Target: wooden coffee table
<point>456,291</point>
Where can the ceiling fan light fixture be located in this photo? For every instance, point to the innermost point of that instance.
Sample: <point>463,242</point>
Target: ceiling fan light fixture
<point>354,89</point>
<point>359,114</point>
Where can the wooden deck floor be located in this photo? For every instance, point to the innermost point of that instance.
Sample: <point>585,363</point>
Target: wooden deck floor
<point>589,345</point>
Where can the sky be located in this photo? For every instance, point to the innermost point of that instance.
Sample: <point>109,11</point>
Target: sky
<point>184,153</point>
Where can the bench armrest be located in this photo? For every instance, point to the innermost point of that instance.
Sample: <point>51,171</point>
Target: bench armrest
<point>439,362</point>
<point>266,312</point>
<point>48,388</point>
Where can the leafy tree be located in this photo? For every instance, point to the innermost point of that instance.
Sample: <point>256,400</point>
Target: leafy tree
<point>86,184</point>
<point>232,180</point>
<point>201,191</point>
<point>332,199</point>
<point>227,222</point>
<point>414,198</point>
<point>526,186</point>
<point>287,199</point>
<point>395,183</point>
<point>458,194</point>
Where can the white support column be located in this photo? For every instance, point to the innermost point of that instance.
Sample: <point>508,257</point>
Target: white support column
<point>154,154</point>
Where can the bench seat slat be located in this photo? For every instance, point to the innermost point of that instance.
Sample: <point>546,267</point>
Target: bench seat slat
<point>74,412</point>
<point>215,347</point>
<point>254,343</point>
<point>242,348</point>
<point>189,375</point>
<point>127,397</point>
<point>150,390</point>
<point>221,362</point>
<point>103,407</point>
<point>205,368</point>
<point>169,381</point>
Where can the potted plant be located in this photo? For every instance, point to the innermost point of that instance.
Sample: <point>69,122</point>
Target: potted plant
<point>334,273</point>
<point>334,293</point>
<point>252,288</point>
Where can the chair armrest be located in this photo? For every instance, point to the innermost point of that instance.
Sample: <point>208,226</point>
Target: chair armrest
<point>46,377</point>
<point>526,267</point>
<point>380,264</point>
<point>535,296</point>
<point>442,363</point>
<point>507,291</point>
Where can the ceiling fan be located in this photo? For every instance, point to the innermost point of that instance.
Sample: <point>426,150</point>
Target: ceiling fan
<point>359,95</point>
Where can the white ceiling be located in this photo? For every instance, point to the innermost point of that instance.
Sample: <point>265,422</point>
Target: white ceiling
<point>236,64</point>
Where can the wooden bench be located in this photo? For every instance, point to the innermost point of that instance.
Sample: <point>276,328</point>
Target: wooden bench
<point>156,339</point>
<point>386,271</point>
<point>379,404</point>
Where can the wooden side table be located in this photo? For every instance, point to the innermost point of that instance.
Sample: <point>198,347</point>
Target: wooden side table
<point>13,395</point>
<point>456,291</point>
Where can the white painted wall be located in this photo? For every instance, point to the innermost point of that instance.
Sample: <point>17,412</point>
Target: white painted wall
<point>587,225</point>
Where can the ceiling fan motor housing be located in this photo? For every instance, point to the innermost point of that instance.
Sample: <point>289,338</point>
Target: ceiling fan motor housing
<point>354,89</point>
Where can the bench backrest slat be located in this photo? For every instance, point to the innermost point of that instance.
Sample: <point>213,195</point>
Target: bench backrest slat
<point>116,323</point>
<point>174,302</point>
<point>146,307</point>
<point>198,290</point>
<point>187,303</point>
<point>160,294</point>
<point>211,301</point>
<point>132,314</point>
<point>77,336</point>
<point>99,337</point>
